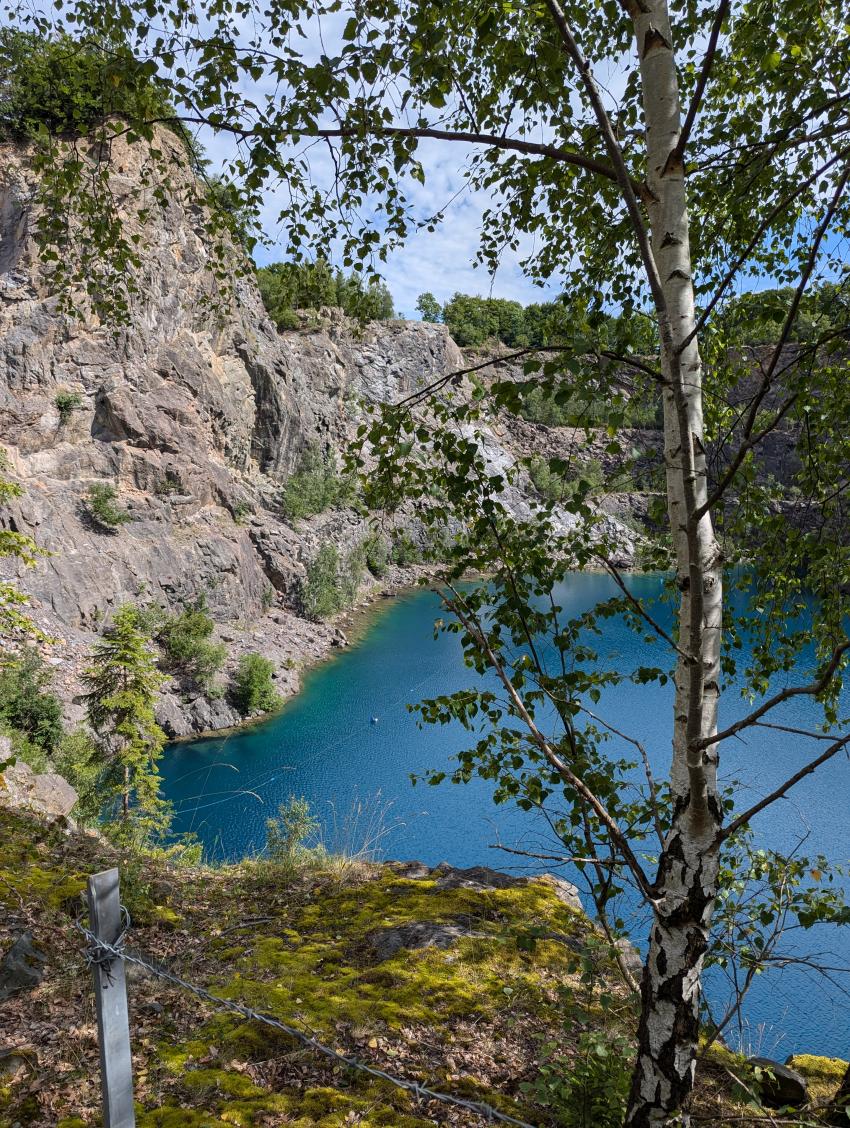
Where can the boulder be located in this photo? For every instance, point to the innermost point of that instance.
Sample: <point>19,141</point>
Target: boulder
<point>779,1086</point>
<point>387,942</point>
<point>482,877</point>
<point>21,968</point>
<point>46,794</point>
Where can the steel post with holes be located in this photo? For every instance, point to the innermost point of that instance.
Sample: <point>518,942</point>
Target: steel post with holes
<point>110,992</point>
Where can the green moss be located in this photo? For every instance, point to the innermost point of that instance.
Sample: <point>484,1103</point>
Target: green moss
<point>824,1074</point>
<point>71,1122</point>
<point>172,1116</point>
<point>222,1081</point>
<point>176,1058</point>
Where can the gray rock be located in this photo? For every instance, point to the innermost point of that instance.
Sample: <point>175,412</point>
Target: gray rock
<point>779,1085</point>
<point>21,968</point>
<point>196,417</point>
<point>475,877</point>
<point>482,877</point>
<point>46,794</point>
<point>387,942</point>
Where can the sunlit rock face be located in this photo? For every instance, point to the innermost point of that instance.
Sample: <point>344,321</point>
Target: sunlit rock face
<point>195,412</point>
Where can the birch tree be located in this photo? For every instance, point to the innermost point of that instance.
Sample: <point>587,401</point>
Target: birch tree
<point>650,156</point>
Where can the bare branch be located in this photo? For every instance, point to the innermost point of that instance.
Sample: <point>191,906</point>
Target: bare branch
<point>488,140</point>
<point>566,773</point>
<point>707,63</point>
<point>761,231</point>
<point>810,690</point>
<point>767,378</point>
<point>784,788</point>
<point>614,573</point>
<point>615,153</point>
<point>647,768</point>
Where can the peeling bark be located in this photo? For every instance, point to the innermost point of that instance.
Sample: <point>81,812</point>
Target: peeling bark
<point>687,874</point>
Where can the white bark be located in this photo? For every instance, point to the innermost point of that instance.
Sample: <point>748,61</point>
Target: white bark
<point>688,868</point>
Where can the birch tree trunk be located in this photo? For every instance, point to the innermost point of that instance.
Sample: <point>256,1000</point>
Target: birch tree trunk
<point>687,874</point>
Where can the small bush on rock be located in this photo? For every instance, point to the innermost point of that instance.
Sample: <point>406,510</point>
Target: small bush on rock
<point>102,507</point>
<point>186,645</point>
<point>377,552</point>
<point>66,403</point>
<point>252,690</point>
<point>331,583</point>
<point>315,486</point>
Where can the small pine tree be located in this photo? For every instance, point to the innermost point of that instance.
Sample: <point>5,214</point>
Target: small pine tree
<point>121,687</point>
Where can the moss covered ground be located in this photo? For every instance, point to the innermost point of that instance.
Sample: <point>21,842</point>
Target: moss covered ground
<point>469,1018</point>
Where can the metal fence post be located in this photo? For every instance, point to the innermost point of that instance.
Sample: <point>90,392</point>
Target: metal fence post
<point>110,991</point>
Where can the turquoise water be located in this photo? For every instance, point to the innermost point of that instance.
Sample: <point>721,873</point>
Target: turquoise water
<point>326,747</point>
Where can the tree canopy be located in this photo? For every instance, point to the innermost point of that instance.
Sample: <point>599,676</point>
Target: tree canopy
<point>290,286</point>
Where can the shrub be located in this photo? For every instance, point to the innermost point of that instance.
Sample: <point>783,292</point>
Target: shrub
<point>589,1087</point>
<point>314,486</point>
<point>186,646</point>
<point>331,584</point>
<point>25,704</point>
<point>287,834</point>
<point>553,485</point>
<point>405,550</point>
<point>376,549</point>
<point>66,403</point>
<point>79,760</point>
<point>252,690</point>
<point>101,506</point>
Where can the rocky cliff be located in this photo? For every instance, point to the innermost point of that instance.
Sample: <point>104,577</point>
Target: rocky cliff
<point>195,412</point>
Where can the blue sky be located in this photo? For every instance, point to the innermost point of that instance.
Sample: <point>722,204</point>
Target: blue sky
<point>440,261</point>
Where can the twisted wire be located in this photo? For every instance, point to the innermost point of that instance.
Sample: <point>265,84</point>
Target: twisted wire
<point>100,953</point>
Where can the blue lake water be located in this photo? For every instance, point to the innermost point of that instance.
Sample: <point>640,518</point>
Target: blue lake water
<point>356,774</point>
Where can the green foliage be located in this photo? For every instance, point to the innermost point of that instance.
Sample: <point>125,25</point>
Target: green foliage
<point>376,550</point>
<point>67,86</point>
<point>26,703</point>
<point>80,761</point>
<point>331,583</point>
<point>404,550</point>
<point>252,690</point>
<point>474,320</point>
<point>314,486</point>
<point>557,482</point>
<point>290,286</point>
<point>186,646</point>
<point>757,317</point>
<point>15,623</point>
<point>227,201</point>
<point>588,1085</point>
<point>555,407</point>
<point>66,403</point>
<point>101,506</point>
<point>287,835</point>
<point>121,685</point>
<point>428,306</point>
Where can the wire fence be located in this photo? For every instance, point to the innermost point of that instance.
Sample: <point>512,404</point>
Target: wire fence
<point>100,954</point>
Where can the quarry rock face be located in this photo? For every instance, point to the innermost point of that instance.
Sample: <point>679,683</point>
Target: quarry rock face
<point>195,412</point>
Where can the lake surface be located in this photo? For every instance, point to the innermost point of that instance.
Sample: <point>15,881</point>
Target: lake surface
<point>355,771</point>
